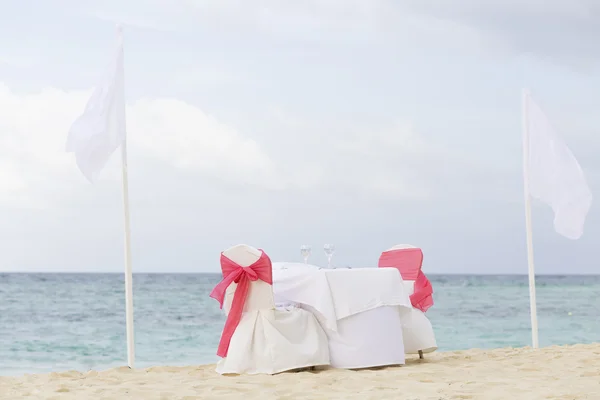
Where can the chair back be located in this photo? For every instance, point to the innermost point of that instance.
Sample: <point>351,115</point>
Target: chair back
<point>260,293</point>
<point>408,260</point>
<point>405,258</point>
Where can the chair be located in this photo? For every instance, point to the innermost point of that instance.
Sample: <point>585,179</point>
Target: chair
<point>257,337</point>
<point>417,330</point>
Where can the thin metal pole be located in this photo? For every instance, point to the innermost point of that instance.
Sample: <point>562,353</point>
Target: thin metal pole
<point>532,299</point>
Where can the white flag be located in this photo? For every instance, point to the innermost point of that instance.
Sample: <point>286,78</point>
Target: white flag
<point>100,130</point>
<point>555,176</point>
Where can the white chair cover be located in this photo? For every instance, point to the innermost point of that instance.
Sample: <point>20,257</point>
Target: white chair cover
<point>269,340</point>
<point>416,328</point>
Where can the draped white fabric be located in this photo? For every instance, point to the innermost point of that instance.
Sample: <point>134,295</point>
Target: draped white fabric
<point>361,310</point>
<point>339,293</point>
<point>362,289</point>
<point>295,284</point>
<point>371,338</point>
<point>417,333</point>
<point>270,341</point>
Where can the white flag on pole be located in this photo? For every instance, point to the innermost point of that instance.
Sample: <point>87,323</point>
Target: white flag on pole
<point>555,176</point>
<point>93,137</point>
<point>100,130</point>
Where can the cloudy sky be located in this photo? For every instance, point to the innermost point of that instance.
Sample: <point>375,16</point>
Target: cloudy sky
<point>280,123</point>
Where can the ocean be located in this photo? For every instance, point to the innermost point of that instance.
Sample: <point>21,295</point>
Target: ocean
<point>56,322</point>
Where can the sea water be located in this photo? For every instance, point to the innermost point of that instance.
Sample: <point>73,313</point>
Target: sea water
<point>55,322</point>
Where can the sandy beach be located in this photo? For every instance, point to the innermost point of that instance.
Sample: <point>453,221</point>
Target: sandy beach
<point>557,372</point>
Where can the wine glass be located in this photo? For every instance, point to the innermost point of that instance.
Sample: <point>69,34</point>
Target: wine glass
<point>329,250</point>
<point>305,252</point>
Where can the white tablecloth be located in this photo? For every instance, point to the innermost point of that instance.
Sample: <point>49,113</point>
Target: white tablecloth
<point>334,294</point>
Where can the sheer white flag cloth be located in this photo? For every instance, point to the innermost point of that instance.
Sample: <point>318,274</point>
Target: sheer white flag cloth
<point>555,176</point>
<point>100,130</point>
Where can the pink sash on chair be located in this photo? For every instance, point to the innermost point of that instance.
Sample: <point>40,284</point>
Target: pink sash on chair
<point>233,272</point>
<point>409,262</point>
<point>422,298</point>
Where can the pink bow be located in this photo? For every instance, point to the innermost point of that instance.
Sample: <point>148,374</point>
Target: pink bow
<point>233,272</point>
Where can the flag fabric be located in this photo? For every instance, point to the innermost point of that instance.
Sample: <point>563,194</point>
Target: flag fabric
<point>100,130</point>
<point>555,176</point>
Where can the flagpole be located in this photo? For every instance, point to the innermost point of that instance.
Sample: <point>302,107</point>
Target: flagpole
<point>128,272</point>
<point>532,299</point>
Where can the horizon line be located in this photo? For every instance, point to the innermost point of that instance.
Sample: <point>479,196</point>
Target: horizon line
<point>218,273</point>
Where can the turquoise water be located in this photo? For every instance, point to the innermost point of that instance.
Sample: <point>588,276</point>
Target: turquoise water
<point>54,322</point>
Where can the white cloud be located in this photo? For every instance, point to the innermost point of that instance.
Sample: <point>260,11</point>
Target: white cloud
<point>362,156</point>
<point>177,152</point>
<point>187,138</point>
<point>389,162</point>
<point>32,139</point>
<point>34,126</point>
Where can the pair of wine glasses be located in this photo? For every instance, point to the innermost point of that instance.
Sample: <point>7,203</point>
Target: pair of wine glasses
<point>329,249</point>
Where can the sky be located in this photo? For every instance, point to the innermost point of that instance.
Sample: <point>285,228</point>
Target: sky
<point>279,123</point>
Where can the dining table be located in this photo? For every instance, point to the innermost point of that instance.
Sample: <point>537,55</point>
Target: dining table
<point>333,294</point>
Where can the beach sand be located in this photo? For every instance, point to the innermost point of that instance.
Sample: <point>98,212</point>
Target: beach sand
<point>557,372</point>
